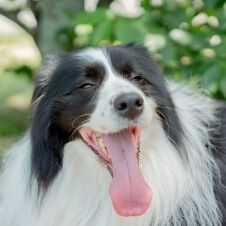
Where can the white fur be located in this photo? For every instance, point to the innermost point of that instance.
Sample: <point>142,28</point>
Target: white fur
<point>79,194</point>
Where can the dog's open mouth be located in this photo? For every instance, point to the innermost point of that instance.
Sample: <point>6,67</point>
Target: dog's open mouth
<point>129,192</point>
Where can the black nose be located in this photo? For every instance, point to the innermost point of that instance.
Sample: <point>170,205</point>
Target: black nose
<point>129,105</point>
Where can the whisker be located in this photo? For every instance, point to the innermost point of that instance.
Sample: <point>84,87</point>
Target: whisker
<point>79,118</point>
<point>159,106</point>
<point>167,124</point>
<point>76,129</point>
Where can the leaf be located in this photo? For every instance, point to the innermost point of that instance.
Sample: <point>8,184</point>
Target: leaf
<point>103,31</point>
<point>223,86</point>
<point>91,18</point>
<point>127,31</point>
<point>221,15</point>
<point>209,4</point>
<point>201,63</point>
<point>174,18</point>
<point>169,55</point>
<point>211,78</point>
<point>198,41</point>
<point>145,4</point>
<point>220,49</point>
<point>68,14</point>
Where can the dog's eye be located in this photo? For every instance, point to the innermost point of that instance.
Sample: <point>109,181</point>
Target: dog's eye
<point>136,79</point>
<point>86,86</point>
<point>140,80</point>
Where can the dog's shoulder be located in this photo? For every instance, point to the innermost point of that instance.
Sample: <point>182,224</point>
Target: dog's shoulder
<point>218,132</point>
<point>218,140</point>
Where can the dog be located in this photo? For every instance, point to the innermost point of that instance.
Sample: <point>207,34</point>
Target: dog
<point>112,143</point>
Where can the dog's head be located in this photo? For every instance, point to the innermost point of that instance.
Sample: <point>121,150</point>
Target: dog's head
<point>104,96</point>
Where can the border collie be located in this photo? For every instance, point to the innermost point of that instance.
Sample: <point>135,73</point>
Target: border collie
<point>111,143</point>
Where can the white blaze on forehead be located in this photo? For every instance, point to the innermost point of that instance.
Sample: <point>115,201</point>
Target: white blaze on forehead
<point>97,55</point>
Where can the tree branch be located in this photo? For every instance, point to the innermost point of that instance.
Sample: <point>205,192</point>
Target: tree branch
<point>36,8</point>
<point>12,15</point>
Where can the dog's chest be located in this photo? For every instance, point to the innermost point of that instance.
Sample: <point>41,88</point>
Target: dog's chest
<point>80,195</point>
<point>86,206</point>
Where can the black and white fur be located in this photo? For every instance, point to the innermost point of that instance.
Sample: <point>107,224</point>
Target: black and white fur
<point>52,178</point>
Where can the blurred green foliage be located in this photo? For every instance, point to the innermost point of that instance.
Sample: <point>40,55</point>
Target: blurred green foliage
<point>187,38</point>
<point>18,62</point>
<point>15,94</point>
<point>14,102</point>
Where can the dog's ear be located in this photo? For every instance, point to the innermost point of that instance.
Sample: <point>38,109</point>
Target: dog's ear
<point>138,50</point>
<point>44,75</point>
<point>47,143</point>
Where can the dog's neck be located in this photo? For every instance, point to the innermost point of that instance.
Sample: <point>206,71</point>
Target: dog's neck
<point>82,186</point>
<point>83,183</point>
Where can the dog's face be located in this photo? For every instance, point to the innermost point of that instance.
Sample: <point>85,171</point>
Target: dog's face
<point>104,96</point>
<point>121,100</point>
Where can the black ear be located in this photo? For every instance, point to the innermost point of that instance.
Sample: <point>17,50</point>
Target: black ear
<point>45,73</point>
<point>138,50</point>
<point>47,146</point>
<point>47,142</point>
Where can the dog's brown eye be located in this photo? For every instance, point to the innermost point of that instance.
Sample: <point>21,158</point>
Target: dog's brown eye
<point>137,79</point>
<point>86,86</point>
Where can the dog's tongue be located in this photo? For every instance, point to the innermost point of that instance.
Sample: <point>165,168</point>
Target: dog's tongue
<point>130,194</point>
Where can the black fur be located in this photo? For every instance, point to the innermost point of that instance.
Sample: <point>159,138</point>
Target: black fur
<point>219,152</point>
<point>61,101</point>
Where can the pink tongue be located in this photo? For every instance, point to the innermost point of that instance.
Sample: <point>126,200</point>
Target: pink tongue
<point>130,194</point>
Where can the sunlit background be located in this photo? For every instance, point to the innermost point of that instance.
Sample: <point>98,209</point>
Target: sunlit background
<point>187,38</point>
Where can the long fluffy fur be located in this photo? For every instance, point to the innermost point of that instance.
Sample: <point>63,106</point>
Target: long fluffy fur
<point>182,181</point>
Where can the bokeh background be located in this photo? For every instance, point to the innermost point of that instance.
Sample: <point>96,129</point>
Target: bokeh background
<point>187,38</point>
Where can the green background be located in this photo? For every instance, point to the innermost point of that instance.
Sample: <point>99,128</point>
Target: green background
<point>186,38</point>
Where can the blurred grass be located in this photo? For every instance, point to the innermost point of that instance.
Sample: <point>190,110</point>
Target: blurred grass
<point>19,58</point>
<point>15,95</point>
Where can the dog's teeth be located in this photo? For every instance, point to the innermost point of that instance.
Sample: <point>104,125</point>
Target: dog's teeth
<point>102,146</point>
<point>104,150</point>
